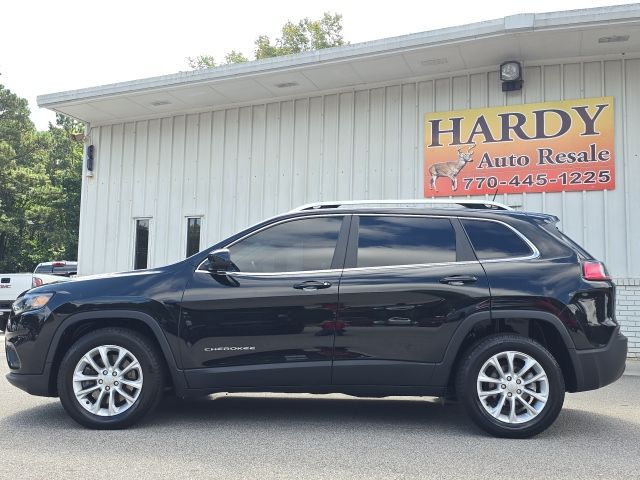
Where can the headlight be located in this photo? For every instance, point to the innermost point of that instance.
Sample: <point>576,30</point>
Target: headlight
<point>31,302</point>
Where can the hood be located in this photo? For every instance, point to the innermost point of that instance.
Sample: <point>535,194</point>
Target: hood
<point>100,280</point>
<point>131,273</point>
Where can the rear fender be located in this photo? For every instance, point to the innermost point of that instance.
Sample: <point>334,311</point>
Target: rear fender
<point>443,370</point>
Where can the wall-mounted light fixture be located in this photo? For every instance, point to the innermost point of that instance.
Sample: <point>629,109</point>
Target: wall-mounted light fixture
<point>90,158</point>
<point>511,76</point>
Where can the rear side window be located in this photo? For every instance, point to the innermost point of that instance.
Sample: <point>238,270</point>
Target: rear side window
<point>563,237</point>
<point>43,269</point>
<point>493,240</point>
<point>388,240</point>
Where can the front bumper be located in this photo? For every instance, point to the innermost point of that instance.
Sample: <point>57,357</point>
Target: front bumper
<point>26,356</point>
<point>4,316</point>
<point>33,384</point>
<point>596,368</point>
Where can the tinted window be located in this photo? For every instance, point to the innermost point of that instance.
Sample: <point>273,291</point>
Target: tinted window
<point>494,240</point>
<point>298,245</point>
<point>193,236</point>
<point>142,244</point>
<point>405,240</point>
<point>553,230</point>
<point>64,269</point>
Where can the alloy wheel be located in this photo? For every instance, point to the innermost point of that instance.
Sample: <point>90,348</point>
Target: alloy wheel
<point>513,387</point>
<point>107,380</point>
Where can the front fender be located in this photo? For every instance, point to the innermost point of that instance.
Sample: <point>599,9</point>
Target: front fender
<point>53,354</point>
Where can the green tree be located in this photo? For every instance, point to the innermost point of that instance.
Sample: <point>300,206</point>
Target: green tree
<point>303,36</point>
<point>201,62</point>
<point>65,172</point>
<point>234,57</point>
<point>40,178</point>
<point>16,135</point>
<point>207,61</point>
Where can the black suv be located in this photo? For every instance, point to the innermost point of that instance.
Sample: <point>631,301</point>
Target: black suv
<point>493,306</point>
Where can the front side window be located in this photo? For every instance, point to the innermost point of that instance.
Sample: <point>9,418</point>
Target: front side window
<point>298,245</point>
<point>389,240</point>
<point>493,240</point>
<point>193,235</point>
<point>141,253</point>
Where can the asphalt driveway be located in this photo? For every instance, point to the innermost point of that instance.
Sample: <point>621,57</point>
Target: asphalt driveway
<point>319,436</point>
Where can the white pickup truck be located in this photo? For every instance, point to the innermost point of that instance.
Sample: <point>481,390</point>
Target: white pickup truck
<point>13,284</point>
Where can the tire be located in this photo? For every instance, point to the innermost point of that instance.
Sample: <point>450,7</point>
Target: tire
<point>132,387</point>
<point>500,419</point>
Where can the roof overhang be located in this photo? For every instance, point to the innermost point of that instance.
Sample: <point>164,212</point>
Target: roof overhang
<point>528,38</point>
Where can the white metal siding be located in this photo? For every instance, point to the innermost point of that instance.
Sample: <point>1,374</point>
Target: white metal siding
<point>237,166</point>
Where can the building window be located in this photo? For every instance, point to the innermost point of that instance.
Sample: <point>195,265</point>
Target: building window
<point>142,244</point>
<point>193,235</point>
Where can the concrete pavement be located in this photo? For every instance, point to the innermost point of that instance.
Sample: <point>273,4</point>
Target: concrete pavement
<point>319,436</point>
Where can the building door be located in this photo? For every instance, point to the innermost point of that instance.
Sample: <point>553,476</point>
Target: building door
<point>408,282</point>
<point>271,322</point>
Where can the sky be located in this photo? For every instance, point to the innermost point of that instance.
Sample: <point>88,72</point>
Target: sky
<point>51,46</point>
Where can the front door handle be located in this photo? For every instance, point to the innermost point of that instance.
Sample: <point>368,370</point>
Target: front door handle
<point>312,285</point>
<point>459,279</point>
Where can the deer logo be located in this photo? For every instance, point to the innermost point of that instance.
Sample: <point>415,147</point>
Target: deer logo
<point>450,169</point>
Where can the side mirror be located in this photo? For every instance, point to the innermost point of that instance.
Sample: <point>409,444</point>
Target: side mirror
<point>220,261</point>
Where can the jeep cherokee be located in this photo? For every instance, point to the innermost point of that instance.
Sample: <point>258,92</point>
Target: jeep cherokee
<point>466,299</point>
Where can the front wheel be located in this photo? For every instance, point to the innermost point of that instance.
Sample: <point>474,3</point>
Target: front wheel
<point>511,386</point>
<point>110,378</point>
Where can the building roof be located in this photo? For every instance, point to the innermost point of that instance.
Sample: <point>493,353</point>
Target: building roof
<point>525,37</point>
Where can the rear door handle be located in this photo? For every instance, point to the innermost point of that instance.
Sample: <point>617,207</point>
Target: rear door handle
<point>459,279</point>
<point>312,285</point>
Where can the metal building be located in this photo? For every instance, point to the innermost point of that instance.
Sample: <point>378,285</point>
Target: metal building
<point>183,160</point>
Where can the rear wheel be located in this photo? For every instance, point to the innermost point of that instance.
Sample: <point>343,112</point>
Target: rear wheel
<point>110,378</point>
<point>511,386</point>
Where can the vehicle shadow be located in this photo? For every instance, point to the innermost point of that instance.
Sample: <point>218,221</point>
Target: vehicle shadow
<point>415,413</point>
<point>264,411</point>
<point>343,411</point>
<point>340,415</point>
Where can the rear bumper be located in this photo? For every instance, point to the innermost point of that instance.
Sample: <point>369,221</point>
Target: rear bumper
<point>599,367</point>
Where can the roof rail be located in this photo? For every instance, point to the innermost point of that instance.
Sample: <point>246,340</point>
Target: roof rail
<point>476,204</point>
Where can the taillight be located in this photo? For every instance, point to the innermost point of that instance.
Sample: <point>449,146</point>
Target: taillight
<point>592,270</point>
<point>36,282</point>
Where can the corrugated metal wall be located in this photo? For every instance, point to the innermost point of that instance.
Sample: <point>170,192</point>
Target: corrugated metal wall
<point>236,166</point>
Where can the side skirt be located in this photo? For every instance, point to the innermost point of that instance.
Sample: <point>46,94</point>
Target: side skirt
<point>371,391</point>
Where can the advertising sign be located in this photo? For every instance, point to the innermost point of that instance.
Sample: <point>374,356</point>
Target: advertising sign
<point>538,147</point>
